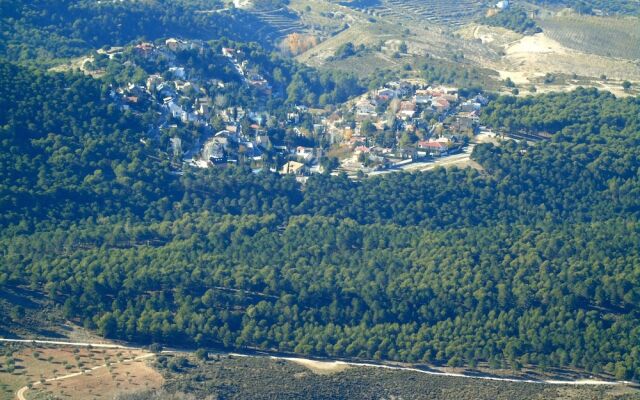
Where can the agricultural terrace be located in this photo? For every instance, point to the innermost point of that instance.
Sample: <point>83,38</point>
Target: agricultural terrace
<point>442,12</point>
<point>609,37</point>
<point>101,373</point>
<point>281,22</point>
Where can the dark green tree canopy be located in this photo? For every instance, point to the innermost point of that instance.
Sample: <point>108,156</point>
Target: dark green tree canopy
<point>535,259</point>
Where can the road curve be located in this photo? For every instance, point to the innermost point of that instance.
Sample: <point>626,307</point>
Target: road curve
<point>20,393</point>
<point>590,382</point>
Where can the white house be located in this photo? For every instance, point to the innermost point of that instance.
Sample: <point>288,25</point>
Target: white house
<point>365,107</point>
<point>304,154</point>
<point>178,72</point>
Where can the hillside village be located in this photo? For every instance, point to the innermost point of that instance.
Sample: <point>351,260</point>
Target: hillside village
<point>355,199</point>
<point>394,125</point>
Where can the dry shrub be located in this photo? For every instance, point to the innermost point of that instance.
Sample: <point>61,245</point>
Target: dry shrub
<point>296,43</point>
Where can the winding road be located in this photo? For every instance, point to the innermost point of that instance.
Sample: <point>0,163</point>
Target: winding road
<point>21,391</point>
<point>592,382</point>
<point>20,394</point>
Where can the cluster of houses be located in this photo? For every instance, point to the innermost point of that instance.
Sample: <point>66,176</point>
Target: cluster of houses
<point>181,98</point>
<point>250,75</point>
<point>423,121</point>
<point>230,145</point>
<point>245,139</point>
<point>437,117</point>
<point>410,100</point>
<point>403,120</point>
<point>234,143</point>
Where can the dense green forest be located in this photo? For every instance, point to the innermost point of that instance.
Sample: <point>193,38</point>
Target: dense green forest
<point>468,78</point>
<point>50,29</point>
<point>535,260</point>
<point>514,18</point>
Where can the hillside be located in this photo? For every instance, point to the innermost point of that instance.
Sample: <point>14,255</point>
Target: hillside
<point>622,7</point>
<point>450,33</point>
<point>610,37</point>
<point>61,161</point>
<point>55,32</point>
<point>240,378</point>
<point>229,258</point>
<point>438,12</point>
<point>431,185</point>
<point>46,30</point>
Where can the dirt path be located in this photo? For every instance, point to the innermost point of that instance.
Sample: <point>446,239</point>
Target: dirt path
<point>79,344</point>
<point>318,363</point>
<point>336,365</point>
<point>20,393</point>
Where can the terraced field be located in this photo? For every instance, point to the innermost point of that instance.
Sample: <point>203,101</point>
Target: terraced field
<point>609,37</point>
<point>441,12</point>
<point>278,22</point>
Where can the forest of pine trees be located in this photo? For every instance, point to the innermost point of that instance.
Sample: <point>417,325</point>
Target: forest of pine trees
<point>535,260</point>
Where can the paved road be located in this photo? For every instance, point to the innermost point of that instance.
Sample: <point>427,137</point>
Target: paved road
<point>20,393</point>
<point>421,166</point>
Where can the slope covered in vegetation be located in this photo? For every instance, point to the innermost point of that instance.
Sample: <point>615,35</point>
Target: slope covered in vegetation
<point>255,378</point>
<point>535,262</point>
<point>50,29</point>
<point>514,18</point>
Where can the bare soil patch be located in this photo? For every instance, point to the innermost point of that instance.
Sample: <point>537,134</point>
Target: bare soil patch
<point>41,362</point>
<point>537,55</point>
<point>322,367</point>
<point>104,383</point>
